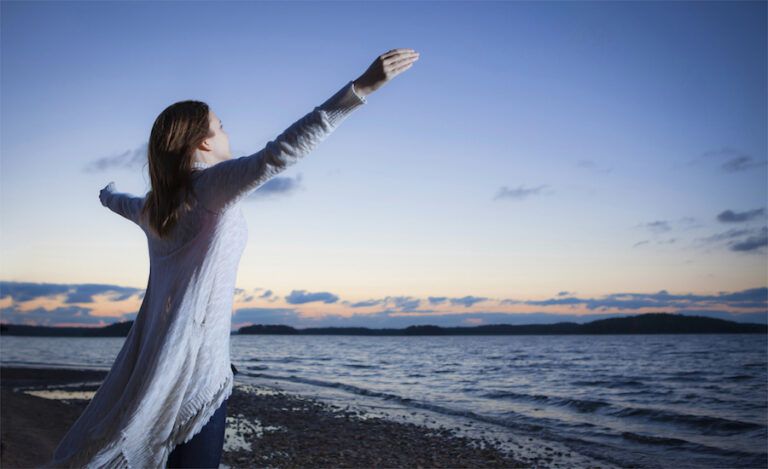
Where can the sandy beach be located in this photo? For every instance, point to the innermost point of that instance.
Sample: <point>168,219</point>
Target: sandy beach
<point>266,427</point>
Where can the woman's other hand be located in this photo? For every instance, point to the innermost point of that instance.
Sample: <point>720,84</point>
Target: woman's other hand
<point>386,67</point>
<point>108,189</point>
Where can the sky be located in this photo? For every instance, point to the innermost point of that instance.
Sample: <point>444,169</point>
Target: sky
<point>541,161</point>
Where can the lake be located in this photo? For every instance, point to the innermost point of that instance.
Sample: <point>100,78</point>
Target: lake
<point>687,400</point>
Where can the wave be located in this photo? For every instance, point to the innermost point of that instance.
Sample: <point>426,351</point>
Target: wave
<point>655,440</point>
<point>518,425</point>
<point>708,425</point>
<point>756,365</point>
<point>739,377</point>
<point>581,405</point>
<point>628,383</point>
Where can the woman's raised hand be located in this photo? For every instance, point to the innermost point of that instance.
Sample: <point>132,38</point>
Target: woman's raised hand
<point>104,193</point>
<point>386,67</point>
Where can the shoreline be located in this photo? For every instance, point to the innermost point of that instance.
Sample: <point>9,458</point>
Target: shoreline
<point>266,426</point>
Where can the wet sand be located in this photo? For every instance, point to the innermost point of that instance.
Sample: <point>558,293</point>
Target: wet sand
<point>266,427</point>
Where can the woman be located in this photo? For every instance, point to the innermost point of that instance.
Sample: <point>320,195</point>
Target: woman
<point>164,399</point>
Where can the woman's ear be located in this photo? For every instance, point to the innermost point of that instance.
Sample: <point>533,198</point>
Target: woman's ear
<point>205,145</point>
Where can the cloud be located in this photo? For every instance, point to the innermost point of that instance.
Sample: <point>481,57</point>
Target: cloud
<point>135,158</point>
<point>732,160</point>
<point>519,193</point>
<point>26,291</point>
<point>52,317</point>
<point>129,159</point>
<point>75,293</point>
<point>590,164</point>
<point>750,298</point>
<point>752,243</point>
<point>658,226</point>
<point>285,316</point>
<point>301,297</point>
<point>662,226</point>
<point>241,295</point>
<point>732,233</point>
<point>741,163</point>
<point>403,303</point>
<point>756,238</point>
<point>363,304</point>
<point>467,301</point>
<point>410,304</point>
<point>435,300</point>
<point>84,293</point>
<point>729,216</point>
<point>397,311</point>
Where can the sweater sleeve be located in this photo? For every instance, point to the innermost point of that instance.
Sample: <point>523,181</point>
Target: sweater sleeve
<point>125,205</point>
<point>227,182</point>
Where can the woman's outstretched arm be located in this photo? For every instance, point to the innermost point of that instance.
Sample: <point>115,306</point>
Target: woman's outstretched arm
<point>125,205</point>
<point>228,181</point>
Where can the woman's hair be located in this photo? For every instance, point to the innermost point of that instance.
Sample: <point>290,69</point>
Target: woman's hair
<point>176,133</point>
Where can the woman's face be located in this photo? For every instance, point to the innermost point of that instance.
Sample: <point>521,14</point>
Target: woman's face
<point>218,145</point>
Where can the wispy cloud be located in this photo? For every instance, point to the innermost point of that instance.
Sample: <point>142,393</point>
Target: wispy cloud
<point>749,301</point>
<point>750,298</point>
<point>129,159</point>
<point>752,243</point>
<point>658,226</point>
<point>73,293</point>
<point>756,238</point>
<point>519,193</point>
<point>133,159</point>
<point>729,216</point>
<point>592,165</point>
<point>465,301</point>
<point>302,296</point>
<point>60,315</point>
<point>730,160</point>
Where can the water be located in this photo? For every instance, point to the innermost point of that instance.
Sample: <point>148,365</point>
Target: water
<point>642,400</point>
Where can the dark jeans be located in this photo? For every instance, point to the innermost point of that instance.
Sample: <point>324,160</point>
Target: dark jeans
<point>204,449</point>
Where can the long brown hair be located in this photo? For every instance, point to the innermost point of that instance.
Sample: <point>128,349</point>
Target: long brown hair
<point>176,133</point>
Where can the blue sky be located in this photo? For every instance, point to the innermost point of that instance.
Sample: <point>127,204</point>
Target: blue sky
<point>540,160</point>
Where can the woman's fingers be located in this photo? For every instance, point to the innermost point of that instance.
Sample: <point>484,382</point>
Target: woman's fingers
<point>402,68</point>
<point>400,55</point>
<point>395,51</point>
<point>400,61</point>
<point>400,58</point>
<point>401,64</point>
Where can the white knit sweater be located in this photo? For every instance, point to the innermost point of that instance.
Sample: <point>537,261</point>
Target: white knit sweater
<point>173,370</point>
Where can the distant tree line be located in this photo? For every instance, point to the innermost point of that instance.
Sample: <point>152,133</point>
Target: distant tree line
<point>649,323</point>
